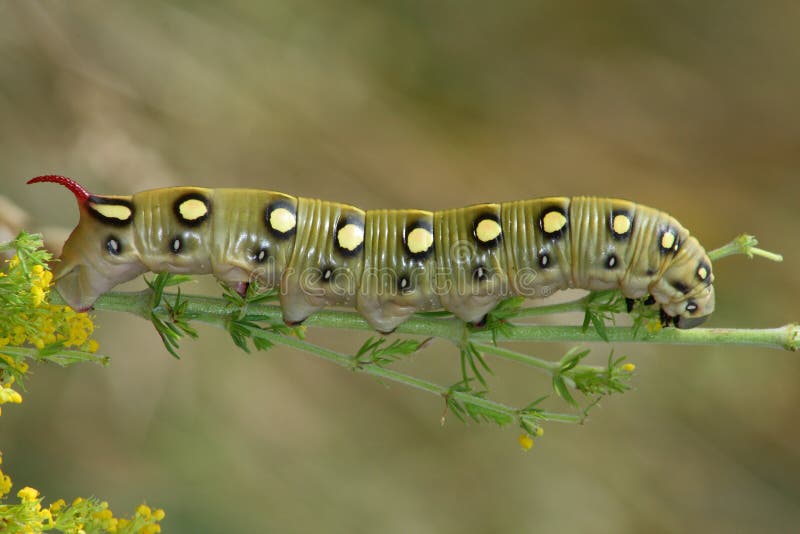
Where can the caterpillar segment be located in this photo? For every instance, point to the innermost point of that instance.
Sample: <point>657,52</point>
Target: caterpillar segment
<point>387,264</point>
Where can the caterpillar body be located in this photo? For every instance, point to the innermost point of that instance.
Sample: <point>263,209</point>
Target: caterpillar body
<point>388,264</point>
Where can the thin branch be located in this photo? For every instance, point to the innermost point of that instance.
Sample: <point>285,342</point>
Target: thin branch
<point>343,360</point>
<point>744,244</point>
<point>785,337</point>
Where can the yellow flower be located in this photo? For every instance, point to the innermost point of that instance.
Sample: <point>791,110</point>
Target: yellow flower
<point>46,278</point>
<point>5,481</point>
<point>57,506</point>
<point>628,367</point>
<point>150,529</point>
<point>5,484</point>
<point>38,295</point>
<point>144,511</point>
<point>104,514</point>
<point>28,494</point>
<point>9,395</point>
<point>539,432</point>
<point>18,335</point>
<point>46,515</point>
<point>159,514</point>
<point>525,441</point>
<point>92,346</point>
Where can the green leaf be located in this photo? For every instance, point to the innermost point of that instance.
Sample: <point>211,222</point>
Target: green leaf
<point>375,351</point>
<point>572,358</point>
<point>562,390</point>
<point>532,407</point>
<point>600,327</point>
<point>469,354</point>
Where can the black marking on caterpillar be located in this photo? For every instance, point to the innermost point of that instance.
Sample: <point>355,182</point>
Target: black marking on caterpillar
<point>487,218</point>
<point>422,254</point>
<point>559,228</point>
<point>358,223</point>
<point>272,208</point>
<point>480,274</point>
<point>96,203</point>
<point>113,246</point>
<point>626,217</point>
<point>260,255</point>
<point>178,208</point>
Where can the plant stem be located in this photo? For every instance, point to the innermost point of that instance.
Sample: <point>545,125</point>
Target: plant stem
<point>577,305</point>
<point>785,337</point>
<point>62,357</point>
<point>515,356</point>
<point>744,244</point>
<point>377,371</point>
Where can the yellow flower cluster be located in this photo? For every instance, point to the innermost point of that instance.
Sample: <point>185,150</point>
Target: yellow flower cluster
<point>6,393</point>
<point>82,516</point>
<point>39,323</point>
<point>26,318</point>
<point>51,324</point>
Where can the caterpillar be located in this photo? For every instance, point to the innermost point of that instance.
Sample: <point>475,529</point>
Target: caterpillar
<point>387,264</point>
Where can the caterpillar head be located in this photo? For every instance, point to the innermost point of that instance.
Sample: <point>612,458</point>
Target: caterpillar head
<point>99,253</point>
<point>685,289</point>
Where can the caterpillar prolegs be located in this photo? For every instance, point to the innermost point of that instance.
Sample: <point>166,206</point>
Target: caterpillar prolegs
<point>388,264</point>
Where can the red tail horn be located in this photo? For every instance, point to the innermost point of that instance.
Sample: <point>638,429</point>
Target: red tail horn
<point>77,189</point>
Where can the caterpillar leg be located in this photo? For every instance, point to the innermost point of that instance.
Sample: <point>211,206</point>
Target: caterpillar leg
<point>241,288</point>
<point>647,301</point>
<point>480,323</point>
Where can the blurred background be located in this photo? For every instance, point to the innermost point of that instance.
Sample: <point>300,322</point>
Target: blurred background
<point>690,107</point>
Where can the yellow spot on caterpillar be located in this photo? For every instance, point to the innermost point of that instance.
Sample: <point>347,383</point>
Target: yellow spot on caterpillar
<point>282,220</point>
<point>193,209</point>
<point>488,230</point>
<point>621,224</point>
<point>419,240</point>
<point>112,211</point>
<point>350,236</point>
<point>702,272</point>
<point>667,240</point>
<point>553,221</point>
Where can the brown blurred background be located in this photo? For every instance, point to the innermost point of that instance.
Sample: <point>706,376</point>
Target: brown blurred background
<point>688,106</point>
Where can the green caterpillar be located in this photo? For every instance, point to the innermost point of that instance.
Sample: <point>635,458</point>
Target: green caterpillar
<point>388,264</point>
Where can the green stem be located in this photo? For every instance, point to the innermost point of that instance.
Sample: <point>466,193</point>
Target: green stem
<point>577,305</point>
<point>347,361</point>
<point>515,356</point>
<point>785,337</point>
<point>139,303</point>
<point>62,357</point>
<point>744,244</point>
